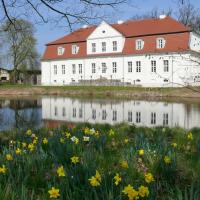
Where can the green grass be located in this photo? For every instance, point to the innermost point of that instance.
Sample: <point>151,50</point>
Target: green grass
<point>31,174</point>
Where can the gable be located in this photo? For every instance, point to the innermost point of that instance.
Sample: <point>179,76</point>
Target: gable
<point>104,30</point>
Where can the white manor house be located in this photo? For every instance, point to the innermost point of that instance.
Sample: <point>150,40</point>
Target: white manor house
<point>150,53</point>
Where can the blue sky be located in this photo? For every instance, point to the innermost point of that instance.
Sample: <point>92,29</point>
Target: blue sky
<point>49,32</point>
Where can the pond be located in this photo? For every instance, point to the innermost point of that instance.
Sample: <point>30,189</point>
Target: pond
<point>52,111</point>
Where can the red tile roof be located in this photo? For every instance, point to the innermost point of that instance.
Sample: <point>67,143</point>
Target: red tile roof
<point>175,33</point>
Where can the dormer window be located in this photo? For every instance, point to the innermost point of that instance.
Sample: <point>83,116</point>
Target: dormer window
<point>75,49</point>
<point>139,44</point>
<point>60,51</point>
<point>160,43</point>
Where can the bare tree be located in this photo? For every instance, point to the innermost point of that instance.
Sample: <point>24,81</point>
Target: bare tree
<point>72,11</point>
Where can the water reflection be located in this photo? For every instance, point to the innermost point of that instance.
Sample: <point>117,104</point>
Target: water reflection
<point>56,111</point>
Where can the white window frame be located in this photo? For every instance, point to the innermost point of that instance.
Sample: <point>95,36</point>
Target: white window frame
<point>114,65</point>
<point>103,44</point>
<point>130,66</point>
<point>153,66</point>
<point>60,51</point>
<point>55,69</point>
<point>104,68</point>
<point>160,43</point>
<point>139,44</point>
<point>166,65</point>
<point>114,45</point>
<point>75,49</point>
<point>63,69</point>
<point>93,68</point>
<point>138,66</point>
<point>93,47</point>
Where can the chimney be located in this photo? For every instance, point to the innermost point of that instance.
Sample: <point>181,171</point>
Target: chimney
<point>162,16</point>
<point>120,22</point>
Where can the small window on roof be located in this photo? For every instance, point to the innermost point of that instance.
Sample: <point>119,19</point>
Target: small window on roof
<point>160,43</point>
<point>75,49</point>
<point>60,50</point>
<point>139,44</point>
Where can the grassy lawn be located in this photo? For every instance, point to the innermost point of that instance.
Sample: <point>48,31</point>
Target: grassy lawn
<point>100,162</point>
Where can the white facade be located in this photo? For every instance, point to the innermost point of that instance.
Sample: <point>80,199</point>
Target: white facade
<point>149,70</point>
<point>141,113</point>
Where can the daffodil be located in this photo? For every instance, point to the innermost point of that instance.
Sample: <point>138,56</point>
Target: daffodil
<point>126,141</point>
<point>29,132</point>
<point>143,191</point>
<point>31,147</point>
<point>9,157</point>
<point>18,151</point>
<point>54,193</point>
<point>68,135</point>
<point>95,180</point>
<point>86,139</point>
<point>45,141</point>
<point>190,136</point>
<point>75,159</point>
<point>131,192</point>
<point>62,140</point>
<point>3,169</point>
<point>174,144</point>
<point>124,164</point>
<point>111,132</point>
<point>61,171</point>
<point>167,160</point>
<point>141,152</point>
<point>117,179</point>
<point>149,177</point>
<point>24,144</point>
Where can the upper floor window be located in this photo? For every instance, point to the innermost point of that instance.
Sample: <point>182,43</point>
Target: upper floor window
<point>160,43</point>
<point>73,69</point>
<point>60,51</point>
<point>104,67</point>
<point>130,66</point>
<point>63,69</point>
<point>75,49</point>
<point>114,67</point>
<point>153,66</point>
<point>166,65</point>
<point>80,66</point>
<point>114,45</point>
<point>93,47</point>
<point>103,46</point>
<point>138,66</point>
<point>55,69</point>
<point>93,68</point>
<point>139,44</point>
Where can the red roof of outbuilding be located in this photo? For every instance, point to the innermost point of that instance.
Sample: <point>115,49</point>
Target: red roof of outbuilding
<point>175,33</point>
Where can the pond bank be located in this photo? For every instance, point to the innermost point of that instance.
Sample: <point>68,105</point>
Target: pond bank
<point>101,91</point>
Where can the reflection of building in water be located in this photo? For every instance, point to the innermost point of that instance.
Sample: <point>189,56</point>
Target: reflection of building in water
<point>141,113</point>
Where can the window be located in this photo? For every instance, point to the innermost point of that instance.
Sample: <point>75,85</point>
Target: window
<point>165,119</point>
<point>104,67</point>
<point>114,115</point>
<point>114,45</point>
<point>93,114</point>
<point>138,66</point>
<point>166,65</point>
<point>153,66</point>
<point>130,116</point>
<point>114,64</point>
<point>80,112</point>
<point>93,68</point>
<point>73,69</point>
<point>153,118</point>
<point>93,47</point>
<point>74,112</point>
<point>64,111</point>
<point>103,46</point>
<point>130,66</point>
<point>139,44</point>
<point>75,49</point>
<point>55,69</point>
<point>138,117</point>
<point>104,114</point>
<point>160,43</point>
<point>55,111</point>
<point>80,67</point>
<point>60,51</point>
<point>63,69</point>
